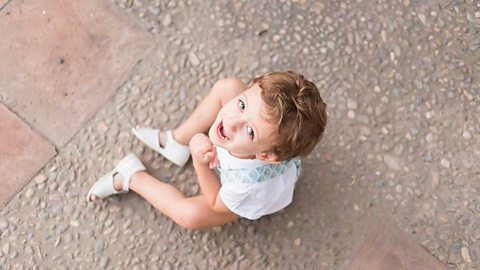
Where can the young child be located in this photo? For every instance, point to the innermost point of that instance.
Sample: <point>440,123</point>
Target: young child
<point>255,135</point>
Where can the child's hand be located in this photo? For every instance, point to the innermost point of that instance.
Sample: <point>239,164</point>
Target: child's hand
<point>203,151</point>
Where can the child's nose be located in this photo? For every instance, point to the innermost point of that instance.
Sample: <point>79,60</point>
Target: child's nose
<point>235,123</point>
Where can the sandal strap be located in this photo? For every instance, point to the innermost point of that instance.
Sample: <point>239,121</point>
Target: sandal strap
<point>172,150</point>
<point>127,168</point>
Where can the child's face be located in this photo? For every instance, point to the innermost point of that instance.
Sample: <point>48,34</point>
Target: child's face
<point>242,128</point>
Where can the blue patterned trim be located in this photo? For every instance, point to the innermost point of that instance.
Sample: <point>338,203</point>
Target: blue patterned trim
<point>258,174</point>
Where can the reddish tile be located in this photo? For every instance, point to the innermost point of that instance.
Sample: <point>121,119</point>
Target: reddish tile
<point>22,154</point>
<point>64,60</point>
<point>390,248</point>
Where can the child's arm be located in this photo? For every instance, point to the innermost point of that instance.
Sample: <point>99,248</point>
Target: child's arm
<point>203,153</point>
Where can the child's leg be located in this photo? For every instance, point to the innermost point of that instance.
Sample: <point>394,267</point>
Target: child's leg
<point>206,112</point>
<point>192,213</point>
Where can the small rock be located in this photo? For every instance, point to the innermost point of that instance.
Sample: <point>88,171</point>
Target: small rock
<point>351,114</point>
<point>127,211</point>
<point>104,262</point>
<point>427,157</point>
<point>429,137</point>
<point>466,255</point>
<point>466,135</point>
<point>102,127</point>
<point>62,228</point>
<point>154,10</point>
<point>3,224</point>
<point>99,247</point>
<point>290,224</point>
<point>434,178</point>
<point>392,162</point>
<point>29,193</point>
<point>445,163</point>
<point>167,20</point>
<point>297,242</point>
<point>422,18</point>
<point>429,114</point>
<point>193,59</point>
<point>87,233</point>
<point>41,178</point>
<point>6,248</point>
<point>352,104</point>
<point>127,224</point>
<point>74,223</point>
<point>57,210</point>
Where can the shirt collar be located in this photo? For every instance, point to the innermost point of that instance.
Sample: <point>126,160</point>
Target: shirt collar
<point>227,161</point>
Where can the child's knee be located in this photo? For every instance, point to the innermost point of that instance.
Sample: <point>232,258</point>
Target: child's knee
<point>190,219</point>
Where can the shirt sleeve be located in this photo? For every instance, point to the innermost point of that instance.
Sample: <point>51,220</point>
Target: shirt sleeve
<point>235,196</point>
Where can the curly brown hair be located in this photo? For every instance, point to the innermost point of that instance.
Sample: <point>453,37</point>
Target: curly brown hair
<point>294,105</point>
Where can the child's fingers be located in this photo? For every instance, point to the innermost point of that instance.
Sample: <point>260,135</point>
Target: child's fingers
<point>214,161</point>
<point>207,157</point>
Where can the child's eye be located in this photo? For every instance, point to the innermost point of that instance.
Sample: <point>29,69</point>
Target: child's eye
<point>250,132</point>
<point>241,105</point>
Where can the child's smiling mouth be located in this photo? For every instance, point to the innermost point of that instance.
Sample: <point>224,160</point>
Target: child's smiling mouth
<point>221,132</point>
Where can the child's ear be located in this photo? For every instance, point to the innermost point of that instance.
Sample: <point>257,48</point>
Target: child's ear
<point>268,157</point>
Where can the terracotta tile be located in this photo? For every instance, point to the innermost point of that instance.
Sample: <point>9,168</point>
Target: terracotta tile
<point>64,60</point>
<point>22,153</point>
<point>390,248</point>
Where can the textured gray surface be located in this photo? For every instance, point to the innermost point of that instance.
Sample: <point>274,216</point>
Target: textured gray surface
<point>401,82</point>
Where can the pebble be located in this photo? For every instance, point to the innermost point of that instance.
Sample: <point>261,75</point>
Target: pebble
<point>445,163</point>
<point>297,242</point>
<point>392,162</point>
<point>466,135</point>
<point>154,10</point>
<point>99,246</point>
<point>352,104</point>
<point>3,223</point>
<point>104,262</point>
<point>102,128</point>
<point>429,114</point>
<point>427,157</point>
<point>6,248</point>
<point>29,193</point>
<point>127,212</point>
<point>41,178</point>
<point>466,255</point>
<point>167,20</point>
<point>193,59</point>
<point>351,114</point>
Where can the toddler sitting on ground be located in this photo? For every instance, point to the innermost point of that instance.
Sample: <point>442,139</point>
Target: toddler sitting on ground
<point>256,134</point>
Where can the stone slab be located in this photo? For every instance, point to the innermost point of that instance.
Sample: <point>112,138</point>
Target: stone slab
<point>23,153</point>
<point>64,60</point>
<point>390,248</point>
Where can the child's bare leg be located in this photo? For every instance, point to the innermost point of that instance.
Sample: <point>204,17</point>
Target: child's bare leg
<point>192,213</point>
<point>206,112</point>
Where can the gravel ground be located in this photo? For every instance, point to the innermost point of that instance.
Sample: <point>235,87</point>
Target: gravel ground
<point>401,80</point>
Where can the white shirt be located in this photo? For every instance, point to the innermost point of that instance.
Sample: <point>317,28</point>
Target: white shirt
<point>252,188</point>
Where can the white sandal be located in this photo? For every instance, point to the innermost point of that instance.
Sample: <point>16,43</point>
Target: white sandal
<point>128,166</point>
<point>173,151</point>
